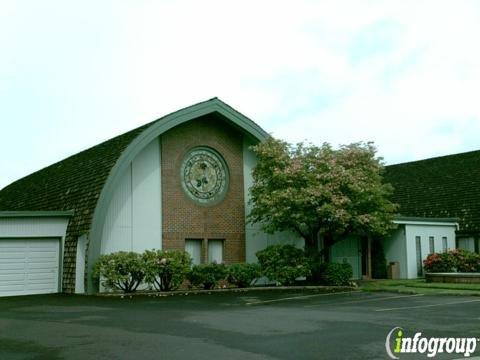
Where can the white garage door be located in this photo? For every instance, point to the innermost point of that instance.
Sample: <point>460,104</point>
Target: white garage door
<point>29,266</point>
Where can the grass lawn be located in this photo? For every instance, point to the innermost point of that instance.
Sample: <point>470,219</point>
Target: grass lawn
<point>420,286</point>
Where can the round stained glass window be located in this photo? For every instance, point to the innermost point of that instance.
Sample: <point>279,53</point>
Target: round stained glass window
<point>204,175</point>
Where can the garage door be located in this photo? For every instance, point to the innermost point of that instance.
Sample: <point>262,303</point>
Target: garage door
<point>29,266</point>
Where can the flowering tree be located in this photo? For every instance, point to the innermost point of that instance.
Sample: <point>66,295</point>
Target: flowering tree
<point>318,190</point>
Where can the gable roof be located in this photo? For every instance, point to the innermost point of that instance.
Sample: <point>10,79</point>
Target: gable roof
<point>441,187</point>
<point>84,183</point>
<point>74,183</point>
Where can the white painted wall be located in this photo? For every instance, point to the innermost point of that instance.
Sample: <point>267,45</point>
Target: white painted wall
<point>425,231</point>
<point>134,221</point>
<point>80,264</point>
<point>28,227</point>
<point>395,248</point>
<point>255,238</point>
<point>147,199</point>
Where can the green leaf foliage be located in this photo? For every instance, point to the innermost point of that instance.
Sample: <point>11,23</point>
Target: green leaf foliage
<point>120,271</point>
<point>283,263</point>
<point>456,260</point>
<point>206,275</point>
<point>243,274</point>
<point>166,269</point>
<point>317,189</point>
<point>335,274</point>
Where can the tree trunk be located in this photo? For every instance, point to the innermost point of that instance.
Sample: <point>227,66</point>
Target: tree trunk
<point>311,246</point>
<point>328,241</point>
<point>314,258</point>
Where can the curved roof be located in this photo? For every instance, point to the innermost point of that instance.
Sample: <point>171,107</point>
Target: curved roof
<point>84,183</point>
<point>71,184</point>
<point>440,187</point>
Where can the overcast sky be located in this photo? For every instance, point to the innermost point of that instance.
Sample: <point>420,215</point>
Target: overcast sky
<point>404,74</point>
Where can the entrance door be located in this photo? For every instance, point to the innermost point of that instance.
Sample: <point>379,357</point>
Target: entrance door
<point>348,251</point>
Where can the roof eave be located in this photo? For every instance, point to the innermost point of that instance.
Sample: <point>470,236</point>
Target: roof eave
<point>33,214</point>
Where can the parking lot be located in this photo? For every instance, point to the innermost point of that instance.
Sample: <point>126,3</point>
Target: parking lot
<point>240,325</point>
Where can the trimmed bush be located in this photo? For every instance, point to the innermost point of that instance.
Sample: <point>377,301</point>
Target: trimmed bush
<point>120,271</point>
<point>283,263</point>
<point>465,261</point>
<point>166,269</point>
<point>336,274</point>
<point>242,275</point>
<point>457,260</point>
<point>439,262</point>
<point>206,275</point>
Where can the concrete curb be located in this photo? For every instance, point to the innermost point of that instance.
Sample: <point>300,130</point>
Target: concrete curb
<point>319,289</point>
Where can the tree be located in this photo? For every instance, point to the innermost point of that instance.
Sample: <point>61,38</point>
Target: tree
<point>318,190</point>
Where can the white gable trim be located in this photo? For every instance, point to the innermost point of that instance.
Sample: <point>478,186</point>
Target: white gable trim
<point>138,144</point>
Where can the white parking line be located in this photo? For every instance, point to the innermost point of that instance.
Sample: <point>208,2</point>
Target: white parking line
<point>430,305</point>
<point>300,297</point>
<point>366,300</point>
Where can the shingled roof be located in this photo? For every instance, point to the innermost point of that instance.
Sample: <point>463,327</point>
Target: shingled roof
<point>444,187</point>
<point>80,182</point>
<point>71,184</point>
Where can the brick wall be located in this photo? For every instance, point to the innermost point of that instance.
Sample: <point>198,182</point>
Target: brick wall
<point>182,218</point>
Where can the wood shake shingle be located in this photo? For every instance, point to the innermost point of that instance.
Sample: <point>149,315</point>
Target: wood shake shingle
<point>443,187</point>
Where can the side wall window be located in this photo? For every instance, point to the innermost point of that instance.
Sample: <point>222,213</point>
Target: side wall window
<point>194,248</point>
<point>431,244</point>
<point>215,251</point>
<point>418,246</point>
<point>444,244</point>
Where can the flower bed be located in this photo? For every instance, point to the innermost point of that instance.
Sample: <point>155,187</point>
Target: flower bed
<point>453,266</point>
<point>452,261</point>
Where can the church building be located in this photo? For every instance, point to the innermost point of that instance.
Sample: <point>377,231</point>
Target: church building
<point>180,182</point>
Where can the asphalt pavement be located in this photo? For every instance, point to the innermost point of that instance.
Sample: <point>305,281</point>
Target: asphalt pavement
<point>241,325</point>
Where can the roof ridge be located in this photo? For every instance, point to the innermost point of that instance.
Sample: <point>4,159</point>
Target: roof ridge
<point>435,158</point>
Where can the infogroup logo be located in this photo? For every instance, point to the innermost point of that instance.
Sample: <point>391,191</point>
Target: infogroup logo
<point>397,343</point>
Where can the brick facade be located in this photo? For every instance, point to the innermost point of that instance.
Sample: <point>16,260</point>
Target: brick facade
<point>182,218</point>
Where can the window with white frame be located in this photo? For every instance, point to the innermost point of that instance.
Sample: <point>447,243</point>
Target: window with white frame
<point>431,244</point>
<point>418,248</point>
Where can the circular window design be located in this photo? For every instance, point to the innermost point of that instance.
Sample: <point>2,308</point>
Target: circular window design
<point>204,175</point>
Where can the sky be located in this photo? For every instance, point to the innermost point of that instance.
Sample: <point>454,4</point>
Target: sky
<point>403,74</point>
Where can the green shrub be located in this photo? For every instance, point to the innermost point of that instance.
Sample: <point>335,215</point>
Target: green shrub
<point>465,261</point>
<point>336,274</point>
<point>457,260</point>
<point>242,275</point>
<point>439,262</point>
<point>206,275</point>
<point>120,270</point>
<point>166,269</point>
<point>283,263</point>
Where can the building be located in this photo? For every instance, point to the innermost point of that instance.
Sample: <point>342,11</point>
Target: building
<point>442,187</point>
<point>181,182</point>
